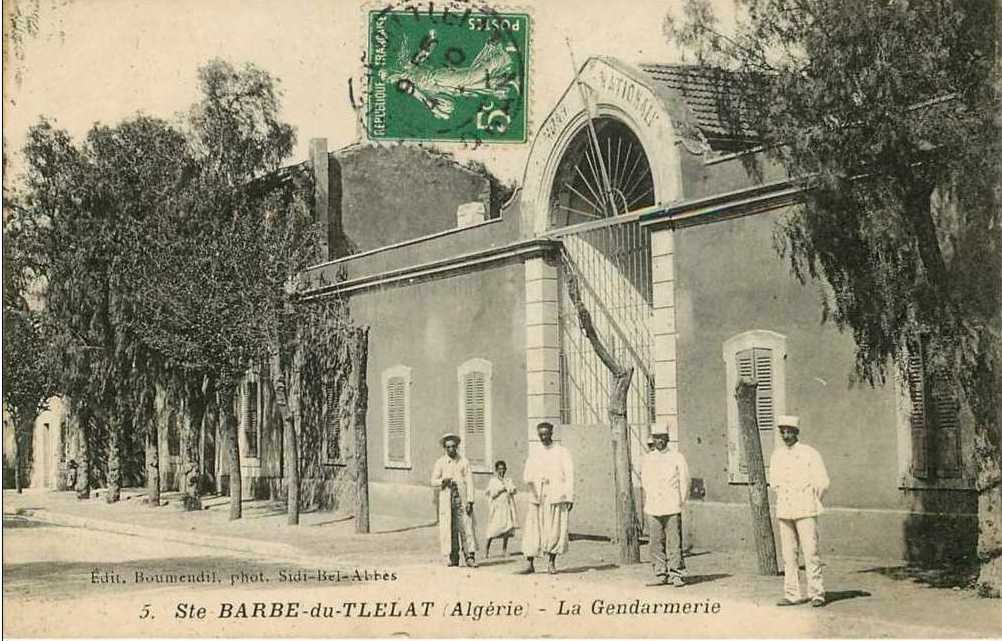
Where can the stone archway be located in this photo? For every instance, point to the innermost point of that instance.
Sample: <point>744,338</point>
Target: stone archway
<point>618,96</point>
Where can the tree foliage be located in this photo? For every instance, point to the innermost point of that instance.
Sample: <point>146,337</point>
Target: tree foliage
<point>85,205</point>
<point>886,114</point>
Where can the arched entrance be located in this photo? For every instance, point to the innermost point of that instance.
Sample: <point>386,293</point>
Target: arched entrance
<point>627,114</point>
<point>606,153</point>
<point>603,173</point>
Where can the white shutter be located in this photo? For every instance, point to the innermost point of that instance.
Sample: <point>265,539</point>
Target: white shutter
<point>474,418</point>
<point>946,409</point>
<point>746,369</point>
<point>917,417</point>
<point>765,409</point>
<point>396,420</point>
<point>251,424</point>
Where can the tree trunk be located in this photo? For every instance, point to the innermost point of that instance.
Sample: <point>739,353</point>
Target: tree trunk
<point>221,440</point>
<point>18,430</point>
<point>758,488</point>
<point>626,511</point>
<point>114,489</point>
<point>232,431</point>
<point>626,507</point>
<point>152,463</point>
<point>210,445</point>
<point>989,486</point>
<point>280,387</point>
<point>83,453</point>
<point>194,406</point>
<point>359,354</point>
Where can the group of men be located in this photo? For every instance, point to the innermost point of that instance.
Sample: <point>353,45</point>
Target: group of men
<point>797,473</point>
<point>549,474</point>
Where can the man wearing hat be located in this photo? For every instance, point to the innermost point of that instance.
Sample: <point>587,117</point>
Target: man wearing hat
<point>453,479</point>
<point>549,472</point>
<point>799,476</point>
<point>664,476</point>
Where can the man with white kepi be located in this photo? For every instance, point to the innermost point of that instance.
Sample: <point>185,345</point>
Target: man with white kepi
<point>664,476</point>
<point>798,474</point>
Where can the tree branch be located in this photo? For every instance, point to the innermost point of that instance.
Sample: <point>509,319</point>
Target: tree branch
<point>585,320</point>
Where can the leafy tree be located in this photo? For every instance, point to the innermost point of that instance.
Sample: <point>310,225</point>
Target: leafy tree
<point>886,115</point>
<point>220,262</point>
<point>28,381</point>
<point>89,201</point>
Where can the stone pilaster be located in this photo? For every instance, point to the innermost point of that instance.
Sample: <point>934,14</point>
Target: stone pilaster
<point>665,361</point>
<point>542,344</point>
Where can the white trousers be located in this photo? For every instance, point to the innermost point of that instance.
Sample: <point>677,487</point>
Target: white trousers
<point>802,534</point>
<point>545,530</point>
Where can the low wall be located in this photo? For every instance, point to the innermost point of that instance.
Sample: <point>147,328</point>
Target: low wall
<point>895,534</point>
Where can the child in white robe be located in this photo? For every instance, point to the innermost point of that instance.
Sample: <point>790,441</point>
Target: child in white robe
<point>503,520</point>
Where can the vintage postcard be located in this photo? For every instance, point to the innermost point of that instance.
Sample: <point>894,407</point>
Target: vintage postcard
<point>516,319</point>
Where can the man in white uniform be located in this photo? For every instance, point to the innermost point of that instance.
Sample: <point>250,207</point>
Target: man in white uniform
<point>664,476</point>
<point>453,479</point>
<point>549,472</point>
<point>798,474</point>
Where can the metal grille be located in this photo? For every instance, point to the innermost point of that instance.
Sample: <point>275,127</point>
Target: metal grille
<point>613,264</point>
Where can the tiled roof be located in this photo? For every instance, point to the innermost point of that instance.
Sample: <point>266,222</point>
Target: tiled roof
<point>710,93</point>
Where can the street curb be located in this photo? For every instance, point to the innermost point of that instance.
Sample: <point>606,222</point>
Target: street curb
<point>235,544</point>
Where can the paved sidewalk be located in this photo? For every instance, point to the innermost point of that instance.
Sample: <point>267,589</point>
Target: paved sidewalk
<point>873,596</point>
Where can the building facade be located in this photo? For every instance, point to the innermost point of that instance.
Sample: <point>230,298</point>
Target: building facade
<point>667,214</point>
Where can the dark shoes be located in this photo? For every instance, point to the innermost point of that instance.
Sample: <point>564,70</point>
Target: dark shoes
<point>818,602</point>
<point>471,561</point>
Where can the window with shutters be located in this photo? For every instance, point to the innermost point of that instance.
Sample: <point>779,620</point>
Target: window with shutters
<point>761,356</point>
<point>250,417</point>
<point>396,417</point>
<point>474,378</point>
<point>334,442</point>
<point>930,429</point>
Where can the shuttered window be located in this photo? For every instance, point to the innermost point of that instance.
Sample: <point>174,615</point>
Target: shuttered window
<point>332,442</point>
<point>474,420</point>
<point>934,423</point>
<point>756,364</point>
<point>396,420</point>
<point>474,379</point>
<point>251,419</point>
<point>759,355</point>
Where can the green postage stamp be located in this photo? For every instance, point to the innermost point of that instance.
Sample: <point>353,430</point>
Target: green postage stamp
<point>442,76</point>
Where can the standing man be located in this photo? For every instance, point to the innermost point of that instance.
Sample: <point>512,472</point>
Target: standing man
<point>664,476</point>
<point>801,480</point>
<point>453,479</point>
<point>549,472</point>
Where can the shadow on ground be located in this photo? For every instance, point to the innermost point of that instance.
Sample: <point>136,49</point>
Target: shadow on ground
<point>955,576</point>
<point>588,568</point>
<point>696,579</point>
<point>844,595</point>
<point>19,521</point>
<point>492,562</point>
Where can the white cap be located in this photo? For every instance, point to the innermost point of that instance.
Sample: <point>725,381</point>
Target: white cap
<point>788,420</point>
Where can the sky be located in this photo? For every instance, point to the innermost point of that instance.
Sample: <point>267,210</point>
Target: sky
<point>105,60</point>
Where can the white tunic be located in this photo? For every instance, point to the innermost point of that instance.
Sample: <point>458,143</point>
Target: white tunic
<point>799,476</point>
<point>456,470</point>
<point>550,473</point>
<point>665,478</point>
